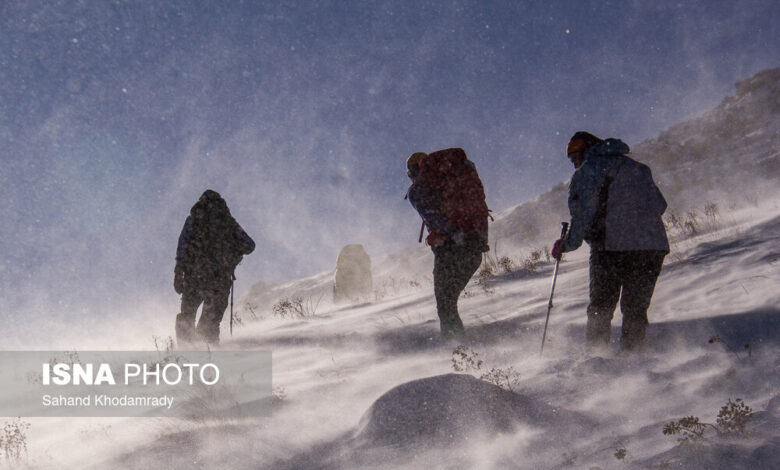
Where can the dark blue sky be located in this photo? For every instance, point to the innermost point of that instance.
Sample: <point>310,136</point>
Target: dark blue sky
<point>115,116</point>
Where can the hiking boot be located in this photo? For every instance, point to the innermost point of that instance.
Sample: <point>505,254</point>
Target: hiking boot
<point>185,330</point>
<point>633,339</point>
<point>597,332</point>
<point>452,328</point>
<point>627,348</point>
<point>598,349</point>
<point>209,332</point>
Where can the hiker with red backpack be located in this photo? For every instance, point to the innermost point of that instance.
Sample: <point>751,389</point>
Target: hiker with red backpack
<point>211,245</point>
<point>447,193</point>
<point>616,208</point>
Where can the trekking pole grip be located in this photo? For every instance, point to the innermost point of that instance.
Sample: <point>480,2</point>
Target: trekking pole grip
<point>564,229</point>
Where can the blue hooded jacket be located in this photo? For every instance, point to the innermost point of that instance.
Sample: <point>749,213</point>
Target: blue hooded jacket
<point>614,203</point>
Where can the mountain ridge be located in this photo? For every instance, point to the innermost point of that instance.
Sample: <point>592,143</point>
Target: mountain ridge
<point>732,149</point>
<point>735,145</point>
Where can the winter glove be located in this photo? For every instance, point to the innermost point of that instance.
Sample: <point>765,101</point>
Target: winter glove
<point>435,238</point>
<point>178,279</point>
<point>557,249</point>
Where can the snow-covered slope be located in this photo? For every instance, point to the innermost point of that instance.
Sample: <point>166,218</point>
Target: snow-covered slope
<point>372,385</point>
<point>728,158</point>
<point>733,148</point>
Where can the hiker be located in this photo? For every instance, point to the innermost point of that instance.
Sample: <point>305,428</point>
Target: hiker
<point>211,245</point>
<point>447,193</point>
<point>616,207</point>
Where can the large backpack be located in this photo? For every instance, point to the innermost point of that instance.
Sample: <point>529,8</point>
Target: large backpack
<point>450,173</point>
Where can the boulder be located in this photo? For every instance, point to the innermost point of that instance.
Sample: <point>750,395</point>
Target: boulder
<point>353,274</point>
<point>448,408</point>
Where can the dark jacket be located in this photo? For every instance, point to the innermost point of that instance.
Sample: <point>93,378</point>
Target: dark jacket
<point>211,243</point>
<point>614,203</point>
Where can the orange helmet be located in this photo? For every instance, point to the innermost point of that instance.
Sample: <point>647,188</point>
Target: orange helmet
<point>575,146</point>
<point>581,141</point>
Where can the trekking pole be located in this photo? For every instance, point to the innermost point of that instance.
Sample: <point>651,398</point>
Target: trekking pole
<point>232,279</point>
<point>564,229</point>
<point>422,229</point>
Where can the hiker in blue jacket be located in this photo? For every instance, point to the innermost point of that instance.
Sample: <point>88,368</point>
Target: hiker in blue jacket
<point>616,208</point>
<point>211,245</point>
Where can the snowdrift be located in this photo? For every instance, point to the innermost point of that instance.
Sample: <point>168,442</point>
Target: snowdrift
<point>370,385</point>
<point>448,408</point>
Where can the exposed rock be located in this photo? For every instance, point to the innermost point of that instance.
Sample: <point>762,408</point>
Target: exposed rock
<point>352,279</point>
<point>452,407</point>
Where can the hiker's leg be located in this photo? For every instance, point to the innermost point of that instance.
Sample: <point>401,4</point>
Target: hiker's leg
<point>604,295</point>
<point>446,304</point>
<point>445,288</point>
<point>185,321</point>
<point>453,268</point>
<point>638,287</point>
<point>468,262</point>
<point>213,310</point>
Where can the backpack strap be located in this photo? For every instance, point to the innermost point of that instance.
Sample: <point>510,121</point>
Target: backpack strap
<point>596,234</point>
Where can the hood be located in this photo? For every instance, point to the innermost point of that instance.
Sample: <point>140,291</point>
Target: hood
<point>210,205</point>
<point>610,146</point>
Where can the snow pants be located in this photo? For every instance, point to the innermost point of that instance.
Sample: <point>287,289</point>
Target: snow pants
<point>214,298</point>
<point>453,267</point>
<point>635,274</point>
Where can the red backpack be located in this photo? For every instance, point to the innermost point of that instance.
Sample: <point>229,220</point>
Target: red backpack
<point>455,177</point>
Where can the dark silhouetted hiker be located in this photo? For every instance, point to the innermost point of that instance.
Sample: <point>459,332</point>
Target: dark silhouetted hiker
<point>447,193</point>
<point>616,207</point>
<point>210,247</point>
